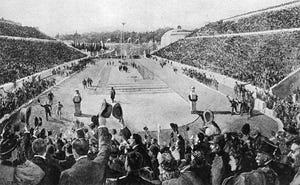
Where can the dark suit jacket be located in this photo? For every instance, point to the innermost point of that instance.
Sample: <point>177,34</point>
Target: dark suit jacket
<point>132,179</point>
<point>146,158</point>
<point>67,163</point>
<point>90,172</point>
<point>52,172</point>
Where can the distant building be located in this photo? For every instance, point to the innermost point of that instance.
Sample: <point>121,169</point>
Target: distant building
<point>173,35</point>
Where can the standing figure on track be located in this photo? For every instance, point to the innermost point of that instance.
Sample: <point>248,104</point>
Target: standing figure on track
<point>50,98</point>
<point>47,108</point>
<point>234,103</point>
<point>251,102</point>
<point>84,82</point>
<point>236,89</point>
<point>244,106</point>
<point>193,97</point>
<point>77,103</point>
<point>59,108</point>
<point>91,82</point>
<point>112,94</point>
<point>216,84</point>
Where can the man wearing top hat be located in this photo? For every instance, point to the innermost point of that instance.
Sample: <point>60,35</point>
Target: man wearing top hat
<point>193,97</point>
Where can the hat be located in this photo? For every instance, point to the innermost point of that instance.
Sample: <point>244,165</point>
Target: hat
<point>125,133</point>
<point>117,111</point>
<point>268,148</point>
<point>174,127</point>
<point>8,144</point>
<point>95,122</point>
<point>208,116</point>
<point>106,109</point>
<point>168,162</point>
<point>246,129</point>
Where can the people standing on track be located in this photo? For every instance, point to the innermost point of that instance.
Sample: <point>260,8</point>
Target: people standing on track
<point>47,108</point>
<point>84,82</point>
<point>89,82</point>
<point>193,97</point>
<point>59,109</point>
<point>112,94</point>
<point>50,98</point>
<point>234,103</point>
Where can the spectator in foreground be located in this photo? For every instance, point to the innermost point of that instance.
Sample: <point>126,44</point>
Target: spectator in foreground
<point>12,173</point>
<point>51,172</point>
<point>295,155</point>
<point>69,160</point>
<point>138,146</point>
<point>86,171</point>
<point>133,165</point>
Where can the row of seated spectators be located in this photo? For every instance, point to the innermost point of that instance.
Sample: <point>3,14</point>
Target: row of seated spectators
<point>21,58</point>
<point>263,60</point>
<point>96,155</point>
<point>270,20</point>
<point>11,100</point>
<point>8,29</point>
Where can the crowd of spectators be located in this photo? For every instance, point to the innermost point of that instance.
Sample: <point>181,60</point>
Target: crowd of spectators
<point>11,100</point>
<point>20,58</point>
<point>90,47</point>
<point>286,109</point>
<point>96,155</point>
<point>269,20</point>
<point>261,59</point>
<point>10,29</point>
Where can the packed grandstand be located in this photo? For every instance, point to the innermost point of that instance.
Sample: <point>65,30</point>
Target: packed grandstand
<point>261,50</point>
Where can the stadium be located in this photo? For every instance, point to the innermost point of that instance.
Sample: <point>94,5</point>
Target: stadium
<point>214,105</point>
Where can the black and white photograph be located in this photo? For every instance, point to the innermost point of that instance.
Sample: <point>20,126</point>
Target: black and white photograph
<point>149,92</point>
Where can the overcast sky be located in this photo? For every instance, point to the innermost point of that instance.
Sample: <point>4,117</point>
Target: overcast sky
<point>67,16</point>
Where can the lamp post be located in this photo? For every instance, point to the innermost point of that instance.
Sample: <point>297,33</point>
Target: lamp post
<point>122,38</point>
